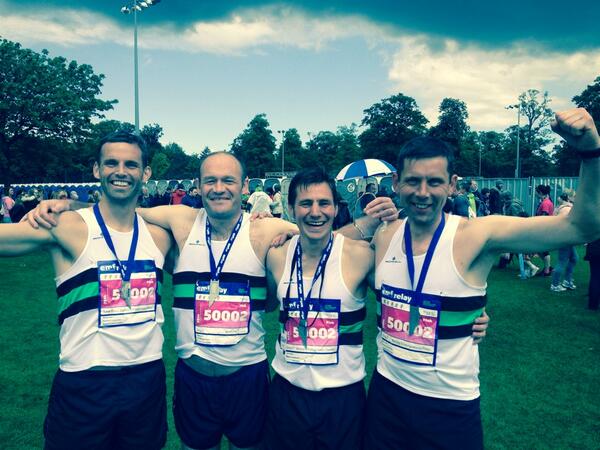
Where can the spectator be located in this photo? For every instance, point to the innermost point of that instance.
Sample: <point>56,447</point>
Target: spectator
<point>18,210</point>
<point>7,204</point>
<point>277,205</point>
<point>513,207</point>
<point>177,195</point>
<point>73,195</point>
<point>567,256</point>
<point>484,206</point>
<point>259,201</point>
<point>495,202</point>
<point>545,208</point>
<point>592,256</point>
<point>461,205</point>
<point>145,199</point>
<point>192,199</point>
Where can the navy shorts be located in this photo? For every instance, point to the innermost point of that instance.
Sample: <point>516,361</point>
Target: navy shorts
<point>206,408</point>
<point>301,419</point>
<point>399,419</point>
<point>123,408</point>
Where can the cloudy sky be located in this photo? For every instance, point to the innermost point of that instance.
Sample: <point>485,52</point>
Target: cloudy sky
<point>207,67</point>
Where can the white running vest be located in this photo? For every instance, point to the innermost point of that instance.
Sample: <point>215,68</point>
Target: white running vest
<point>194,263</point>
<point>83,344</point>
<point>351,362</point>
<point>455,374</point>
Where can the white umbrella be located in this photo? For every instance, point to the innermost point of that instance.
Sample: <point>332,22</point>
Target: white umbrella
<point>365,168</point>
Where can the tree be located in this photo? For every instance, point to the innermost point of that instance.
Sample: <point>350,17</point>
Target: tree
<point>390,123</point>
<point>452,123</point>
<point>534,136</point>
<point>255,147</point>
<point>590,100</point>
<point>45,98</point>
<point>160,165</point>
<point>292,146</point>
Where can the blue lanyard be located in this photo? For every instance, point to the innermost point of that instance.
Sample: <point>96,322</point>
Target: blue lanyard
<point>215,270</point>
<point>125,271</point>
<point>318,273</point>
<point>428,256</point>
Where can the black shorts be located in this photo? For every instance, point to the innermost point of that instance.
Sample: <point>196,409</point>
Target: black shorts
<point>206,408</point>
<point>123,408</point>
<point>399,419</point>
<point>309,420</point>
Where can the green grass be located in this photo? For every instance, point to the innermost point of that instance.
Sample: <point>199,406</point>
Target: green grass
<point>540,367</point>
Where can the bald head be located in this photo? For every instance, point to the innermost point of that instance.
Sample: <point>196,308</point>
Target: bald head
<point>224,158</point>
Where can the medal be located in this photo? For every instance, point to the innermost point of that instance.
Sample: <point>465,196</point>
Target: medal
<point>303,300</point>
<point>216,269</point>
<point>124,268</point>
<point>415,315</point>
<point>213,292</point>
<point>125,292</point>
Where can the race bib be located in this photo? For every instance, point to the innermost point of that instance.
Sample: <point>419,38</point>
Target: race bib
<point>322,333</point>
<point>115,293</point>
<point>409,325</point>
<point>223,319</point>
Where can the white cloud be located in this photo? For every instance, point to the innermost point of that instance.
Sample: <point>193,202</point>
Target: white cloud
<point>487,80</point>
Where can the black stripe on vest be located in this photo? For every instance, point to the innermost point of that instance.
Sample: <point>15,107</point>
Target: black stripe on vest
<point>192,277</point>
<point>355,338</point>
<point>188,303</point>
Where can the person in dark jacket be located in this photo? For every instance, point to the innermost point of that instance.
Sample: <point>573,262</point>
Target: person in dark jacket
<point>592,255</point>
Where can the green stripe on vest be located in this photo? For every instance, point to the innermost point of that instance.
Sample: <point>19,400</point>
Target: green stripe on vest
<point>355,327</point>
<point>82,292</point>
<point>457,318</point>
<point>189,291</point>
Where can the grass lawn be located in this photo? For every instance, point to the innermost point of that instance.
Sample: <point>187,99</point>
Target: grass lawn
<point>540,363</point>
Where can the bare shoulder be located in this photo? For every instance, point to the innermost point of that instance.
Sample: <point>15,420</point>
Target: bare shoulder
<point>384,234</point>
<point>357,248</point>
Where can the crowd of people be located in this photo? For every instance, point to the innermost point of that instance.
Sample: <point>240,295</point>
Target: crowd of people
<point>429,272</point>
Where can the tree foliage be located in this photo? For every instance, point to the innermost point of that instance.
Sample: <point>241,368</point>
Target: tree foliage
<point>389,124</point>
<point>452,123</point>
<point>44,98</point>
<point>255,147</point>
<point>590,100</point>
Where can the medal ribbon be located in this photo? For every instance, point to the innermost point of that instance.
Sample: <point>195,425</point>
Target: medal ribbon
<point>414,312</point>
<point>302,300</point>
<point>125,270</point>
<point>215,270</point>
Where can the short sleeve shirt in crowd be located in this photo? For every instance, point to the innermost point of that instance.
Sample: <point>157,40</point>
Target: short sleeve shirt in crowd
<point>546,208</point>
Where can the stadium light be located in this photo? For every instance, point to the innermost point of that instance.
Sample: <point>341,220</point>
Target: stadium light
<point>282,133</point>
<point>134,7</point>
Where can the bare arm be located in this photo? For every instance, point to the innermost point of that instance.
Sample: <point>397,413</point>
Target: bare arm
<point>20,238</point>
<point>577,127</point>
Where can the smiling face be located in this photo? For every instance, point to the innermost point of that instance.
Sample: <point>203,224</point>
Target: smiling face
<point>423,187</point>
<point>314,210</point>
<point>120,171</point>
<point>221,186</point>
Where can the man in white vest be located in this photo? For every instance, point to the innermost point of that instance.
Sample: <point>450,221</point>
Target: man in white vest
<point>431,272</point>
<point>109,391</point>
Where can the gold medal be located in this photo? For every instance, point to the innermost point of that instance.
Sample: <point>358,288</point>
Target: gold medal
<point>125,292</point>
<point>213,292</point>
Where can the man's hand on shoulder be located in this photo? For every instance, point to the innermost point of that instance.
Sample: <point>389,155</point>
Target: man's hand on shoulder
<point>45,213</point>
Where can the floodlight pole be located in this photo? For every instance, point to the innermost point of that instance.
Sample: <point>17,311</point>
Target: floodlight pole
<point>136,93</point>
<point>518,108</point>
<point>136,6</point>
<point>282,132</point>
